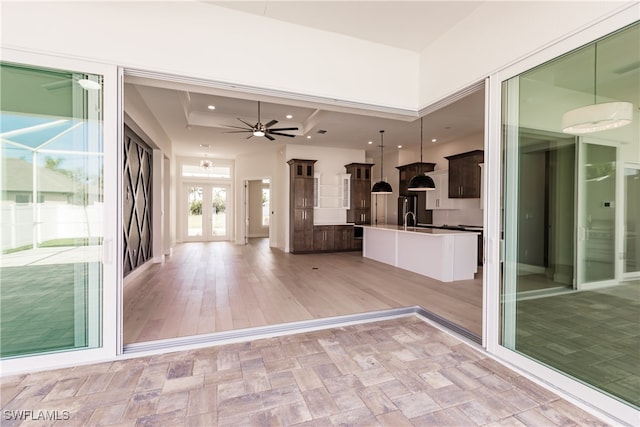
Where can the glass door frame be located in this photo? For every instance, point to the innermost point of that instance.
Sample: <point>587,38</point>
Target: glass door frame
<point>622,220</point>
<point>111,304</point>
<point>207,187</point>
<point>581,228</point>
<point>568,388</point>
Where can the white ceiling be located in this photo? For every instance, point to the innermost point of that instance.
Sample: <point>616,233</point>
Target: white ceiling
<point>189,123</point>
<point>410,25</point>
<point>182,110</point>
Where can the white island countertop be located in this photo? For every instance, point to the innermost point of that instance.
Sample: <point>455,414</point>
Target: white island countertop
<point>442,254</point>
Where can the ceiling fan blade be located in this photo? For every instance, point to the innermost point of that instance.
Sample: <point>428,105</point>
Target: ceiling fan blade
<point>271,123</point>
<point>249,129</point>
<point>281,129</point>
<point>269,137</point>
<point>238,131</point>
<point>250,136</point>
<point>281,134</point>
<point>248,124</point>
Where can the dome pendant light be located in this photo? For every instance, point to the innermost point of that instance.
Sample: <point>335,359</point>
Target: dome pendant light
<point>597,117</point>
<point>421,182</point>
<point>381,187</point>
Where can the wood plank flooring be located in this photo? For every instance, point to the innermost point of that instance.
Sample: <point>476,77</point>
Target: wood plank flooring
<point>220,286</point>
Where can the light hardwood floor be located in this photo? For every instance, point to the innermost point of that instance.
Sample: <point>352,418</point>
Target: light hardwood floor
<point>220,286</point>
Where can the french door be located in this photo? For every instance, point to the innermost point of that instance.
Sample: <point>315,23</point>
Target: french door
<point>206,211</point>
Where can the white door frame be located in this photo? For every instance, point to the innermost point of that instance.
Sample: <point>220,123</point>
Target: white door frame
<point>207,235</point>
<point>111,305</point>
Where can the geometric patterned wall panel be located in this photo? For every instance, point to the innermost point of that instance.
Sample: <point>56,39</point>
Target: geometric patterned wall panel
<point>137,201</point>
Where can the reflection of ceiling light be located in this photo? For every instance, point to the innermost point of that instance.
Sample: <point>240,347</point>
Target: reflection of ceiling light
<point>597,117</point>
<point>206,164</point>
<point>211,107</point>
<point>89,84</point>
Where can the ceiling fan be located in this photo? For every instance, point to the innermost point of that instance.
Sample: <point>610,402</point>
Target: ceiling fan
<point>260,129</point>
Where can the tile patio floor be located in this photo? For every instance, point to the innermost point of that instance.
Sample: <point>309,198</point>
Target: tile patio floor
<point>394,372</point>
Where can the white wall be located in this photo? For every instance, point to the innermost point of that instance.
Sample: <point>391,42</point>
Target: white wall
<point>201,40</point>
<point>140,119</point>
<point>496,34</point>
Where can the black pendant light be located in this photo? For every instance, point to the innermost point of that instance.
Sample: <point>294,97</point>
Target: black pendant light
<point>421,182</point>
<point>381,187</point>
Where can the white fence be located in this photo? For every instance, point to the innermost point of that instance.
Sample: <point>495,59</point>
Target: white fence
<point>24,223</point>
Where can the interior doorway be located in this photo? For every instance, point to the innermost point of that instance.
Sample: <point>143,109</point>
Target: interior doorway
<point>258,208</point>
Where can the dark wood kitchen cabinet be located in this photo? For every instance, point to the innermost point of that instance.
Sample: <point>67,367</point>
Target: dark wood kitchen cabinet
<point>419,198</point>
<point>323,239</point>
<point>301,191</point>
<point>343,238</point>
<point>334,238</point>
<point>465,175</point>
<point>360,193</point>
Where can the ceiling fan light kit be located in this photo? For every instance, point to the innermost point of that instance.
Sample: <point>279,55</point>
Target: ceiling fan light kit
<point>381,187</point>
<point>597,116</point>
<point>261,130</point>
<point>421,182</point>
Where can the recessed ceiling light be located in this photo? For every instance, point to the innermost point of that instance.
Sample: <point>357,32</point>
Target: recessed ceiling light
<point>289,116</point>
<point>308,136</point>
<point>399,146</point>
<point>205,145</point>
<point>433,140</point>
<point>211,107</point>
<point>370,142</point>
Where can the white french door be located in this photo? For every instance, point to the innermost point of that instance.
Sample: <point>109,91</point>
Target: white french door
<point>206,211</point>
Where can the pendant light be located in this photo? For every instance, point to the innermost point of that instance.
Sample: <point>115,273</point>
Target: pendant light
<point>381,187</point>
<point>597,117</point>
<point>421,182</point>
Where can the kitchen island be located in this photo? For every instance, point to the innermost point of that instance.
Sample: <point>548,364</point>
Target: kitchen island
<point>445,255</point>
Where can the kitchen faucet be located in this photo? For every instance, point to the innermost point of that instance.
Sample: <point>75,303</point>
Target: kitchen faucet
<point>405,220</point>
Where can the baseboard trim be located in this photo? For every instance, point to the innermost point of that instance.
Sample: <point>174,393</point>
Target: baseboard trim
<point>137,272</point>
<point>225,337</point>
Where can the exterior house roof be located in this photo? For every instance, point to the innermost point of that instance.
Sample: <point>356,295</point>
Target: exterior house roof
<point>18,177</point>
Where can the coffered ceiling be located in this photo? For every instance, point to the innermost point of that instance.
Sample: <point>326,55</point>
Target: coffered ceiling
<point>196,130</point>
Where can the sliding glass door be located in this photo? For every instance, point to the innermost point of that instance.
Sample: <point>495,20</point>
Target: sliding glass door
<point>52,183</point>
<point>570,291</point>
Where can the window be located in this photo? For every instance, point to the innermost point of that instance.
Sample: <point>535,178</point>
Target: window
<point>213,171</point>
